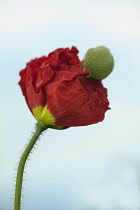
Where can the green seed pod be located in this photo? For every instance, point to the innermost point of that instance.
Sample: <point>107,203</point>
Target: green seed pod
<point>99,61</point>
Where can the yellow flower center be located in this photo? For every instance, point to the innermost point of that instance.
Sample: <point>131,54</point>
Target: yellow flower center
<point>43,114</point>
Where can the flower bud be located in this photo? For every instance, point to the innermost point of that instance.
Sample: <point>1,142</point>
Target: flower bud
<point>58,93</point>
<point>99,61</point>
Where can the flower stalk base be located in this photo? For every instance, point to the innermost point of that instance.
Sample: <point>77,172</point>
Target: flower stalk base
<point>40,127</point>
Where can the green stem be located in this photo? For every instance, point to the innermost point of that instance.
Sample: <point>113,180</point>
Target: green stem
<point>40,127</point>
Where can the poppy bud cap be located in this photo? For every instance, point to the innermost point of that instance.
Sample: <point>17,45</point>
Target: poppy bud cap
<point>99,61</point>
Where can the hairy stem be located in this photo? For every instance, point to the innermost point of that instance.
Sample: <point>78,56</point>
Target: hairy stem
<point>40,127</point>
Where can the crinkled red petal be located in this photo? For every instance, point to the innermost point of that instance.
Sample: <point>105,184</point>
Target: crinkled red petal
<point>77,101</point>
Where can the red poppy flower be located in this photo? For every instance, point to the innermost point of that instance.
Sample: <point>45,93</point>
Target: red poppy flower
<point>59,93</point>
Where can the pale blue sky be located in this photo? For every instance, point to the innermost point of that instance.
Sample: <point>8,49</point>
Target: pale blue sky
<point>79,168</point>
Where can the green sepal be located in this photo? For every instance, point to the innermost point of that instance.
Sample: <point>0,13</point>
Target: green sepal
<point>99,61</point>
